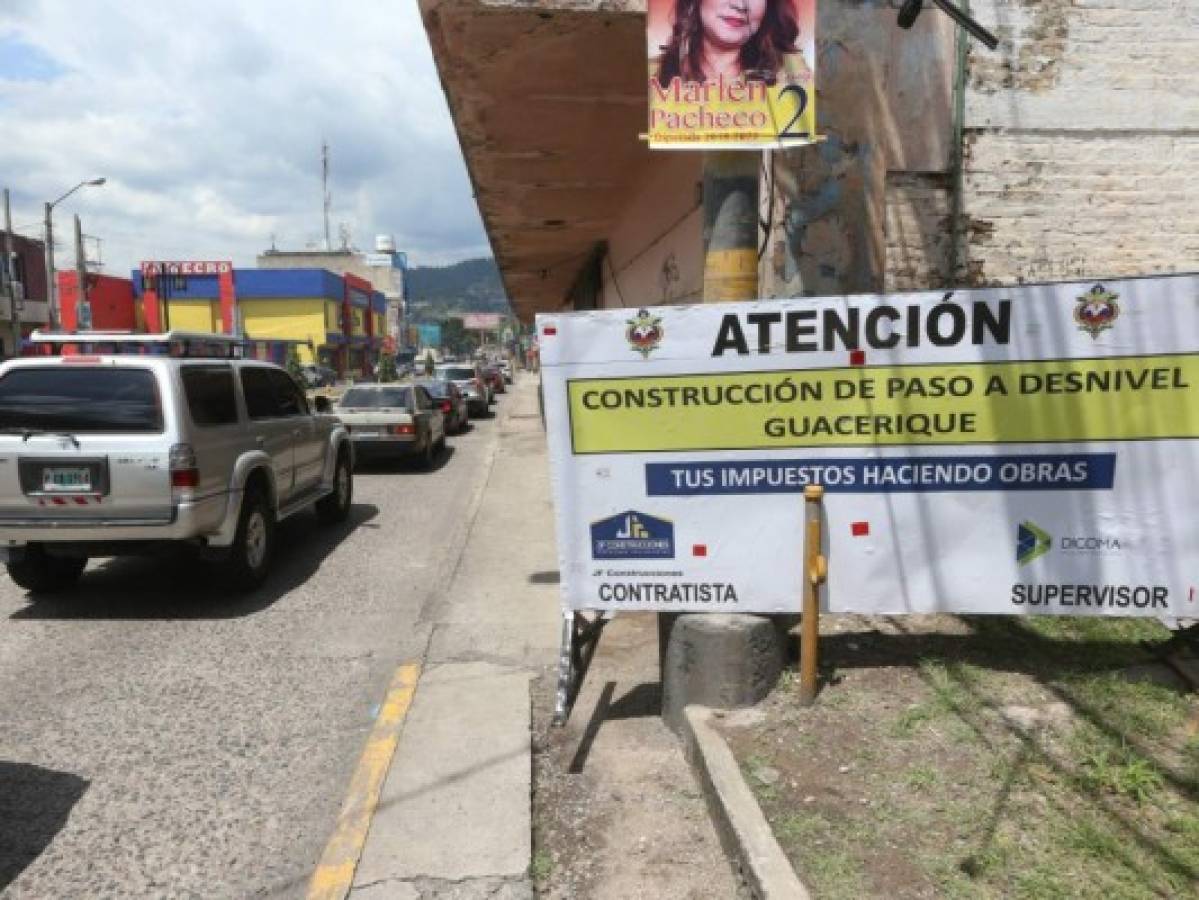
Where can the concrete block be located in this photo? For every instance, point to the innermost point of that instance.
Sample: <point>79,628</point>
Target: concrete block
<point>719,661</point>
<point>746,835</point>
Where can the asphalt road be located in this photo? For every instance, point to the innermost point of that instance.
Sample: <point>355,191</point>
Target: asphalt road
<point>159,737</point>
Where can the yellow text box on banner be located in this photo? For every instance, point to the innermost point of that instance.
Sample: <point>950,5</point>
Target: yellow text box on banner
<point>1046,401</point>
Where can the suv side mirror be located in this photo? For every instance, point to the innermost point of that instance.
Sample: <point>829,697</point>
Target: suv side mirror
<point>322,404</point>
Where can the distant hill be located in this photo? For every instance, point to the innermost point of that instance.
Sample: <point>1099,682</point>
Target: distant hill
<point>472,285</point>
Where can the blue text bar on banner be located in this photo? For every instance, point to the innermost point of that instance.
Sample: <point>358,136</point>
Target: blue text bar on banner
<point>890,475</point>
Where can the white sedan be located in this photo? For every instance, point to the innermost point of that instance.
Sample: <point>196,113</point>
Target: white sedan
<point>393,420</point>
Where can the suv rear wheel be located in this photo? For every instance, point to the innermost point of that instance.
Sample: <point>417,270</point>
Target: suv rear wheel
<point>336,507</point>
<point>254,543</point>
<point>40,573</point>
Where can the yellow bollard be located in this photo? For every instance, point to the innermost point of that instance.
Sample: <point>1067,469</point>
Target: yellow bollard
<point>815,573</point>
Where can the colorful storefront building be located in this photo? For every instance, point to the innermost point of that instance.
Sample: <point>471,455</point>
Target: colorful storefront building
<point>339,320</point>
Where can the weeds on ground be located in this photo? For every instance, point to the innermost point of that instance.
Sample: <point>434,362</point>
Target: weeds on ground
<point>541,865</point>
<point>1100,800</point>
<point>1113,766</point>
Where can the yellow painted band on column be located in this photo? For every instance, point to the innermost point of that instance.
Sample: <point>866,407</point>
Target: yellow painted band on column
<point>1044,401</point>
<point>730,274</point>
<point>334,875</point>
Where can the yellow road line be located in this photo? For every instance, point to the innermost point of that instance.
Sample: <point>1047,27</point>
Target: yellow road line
<point>334,874</point>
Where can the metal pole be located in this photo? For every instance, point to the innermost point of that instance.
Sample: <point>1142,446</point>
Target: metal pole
<point>815,572</point>
<point>83,313</point>
<point>51,297</point>
<point>10,267</point>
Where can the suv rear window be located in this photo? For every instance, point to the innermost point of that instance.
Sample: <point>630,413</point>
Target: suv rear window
<point>210,397</point>
<point>456,373</point>
<point>81,399</point>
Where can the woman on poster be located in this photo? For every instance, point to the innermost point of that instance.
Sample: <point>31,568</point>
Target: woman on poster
<point>750,40</point>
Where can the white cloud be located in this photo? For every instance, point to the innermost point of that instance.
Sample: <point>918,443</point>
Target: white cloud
<point>207,120</point>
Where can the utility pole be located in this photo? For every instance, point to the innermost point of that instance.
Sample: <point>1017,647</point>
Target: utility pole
<point>10,278</point>
<point>83,309</point>
<point>51,298</point>
<point>328,199</point>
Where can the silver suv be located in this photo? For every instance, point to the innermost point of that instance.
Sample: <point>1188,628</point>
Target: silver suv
<point>104,455</point>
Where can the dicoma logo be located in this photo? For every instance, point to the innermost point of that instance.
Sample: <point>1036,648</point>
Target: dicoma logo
<point>632,535</point>
<point>1031,543</point>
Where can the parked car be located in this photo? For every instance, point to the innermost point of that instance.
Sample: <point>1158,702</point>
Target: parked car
<point>470,381</point>
<point>451,401</point>
<point>395,420</point>
<point>505,367</point>
<point>106,455</point>
<point>318,376</point>
<point>495,379</point>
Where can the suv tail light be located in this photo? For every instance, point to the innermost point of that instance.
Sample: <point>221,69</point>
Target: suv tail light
<point>184,471</point>
<point>445,406</point>
<point>402,429</point>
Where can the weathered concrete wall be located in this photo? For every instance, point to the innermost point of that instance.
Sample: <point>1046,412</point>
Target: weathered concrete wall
<point>1080,151</point>
<point>1061,205</point>
<point>918,232</point>
<point>655,252</point>
<point>884,105</point>
<point>1082,141</point>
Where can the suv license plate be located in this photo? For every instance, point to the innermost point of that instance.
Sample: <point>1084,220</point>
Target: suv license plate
<point>64,479</point>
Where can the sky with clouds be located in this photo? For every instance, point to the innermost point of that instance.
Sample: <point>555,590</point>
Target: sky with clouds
<point>207,119</point>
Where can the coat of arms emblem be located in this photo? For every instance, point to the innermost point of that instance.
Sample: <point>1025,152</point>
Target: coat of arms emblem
<point>1097,311</point>
<point>644,332</point>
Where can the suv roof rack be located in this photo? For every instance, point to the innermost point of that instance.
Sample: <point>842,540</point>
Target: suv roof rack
<point>175,343</point>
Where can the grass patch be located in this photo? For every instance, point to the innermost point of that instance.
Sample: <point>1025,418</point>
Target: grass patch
<point>1123,772</point>
<point>920,777</point>
<point>948,795</point>
<point>541,865</point>
<point>1142,709</point>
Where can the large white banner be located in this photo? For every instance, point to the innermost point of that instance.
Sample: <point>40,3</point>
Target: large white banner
<point>1006,450</point>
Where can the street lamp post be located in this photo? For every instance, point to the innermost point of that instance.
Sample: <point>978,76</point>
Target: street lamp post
<point>51,288</point>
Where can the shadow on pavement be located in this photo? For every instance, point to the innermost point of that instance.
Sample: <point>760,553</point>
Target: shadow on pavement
<point>381,465</point>
<point>34,806</point>
<point>643,701</point>
<point>180,585</point>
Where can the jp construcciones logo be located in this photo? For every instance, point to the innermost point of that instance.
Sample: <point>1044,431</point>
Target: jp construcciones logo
<point>632,535</point>
<point>1031,543</point>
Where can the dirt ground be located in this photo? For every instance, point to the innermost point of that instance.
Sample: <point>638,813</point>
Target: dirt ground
<point>617,812</point>
<point>983,757</point>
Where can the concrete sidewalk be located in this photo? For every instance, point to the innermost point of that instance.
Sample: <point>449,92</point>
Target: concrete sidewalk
<point>453,819</point>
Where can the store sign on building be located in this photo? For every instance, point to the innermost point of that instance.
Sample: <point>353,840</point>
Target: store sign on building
<point>985,451</point>
<point>731,75</point>
<point>187,267</point>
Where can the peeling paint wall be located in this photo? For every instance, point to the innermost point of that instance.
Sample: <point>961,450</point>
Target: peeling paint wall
<point>885,105</point>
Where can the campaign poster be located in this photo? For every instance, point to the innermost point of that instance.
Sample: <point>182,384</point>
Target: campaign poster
<point>1025,450</point>
<point>731,74</point>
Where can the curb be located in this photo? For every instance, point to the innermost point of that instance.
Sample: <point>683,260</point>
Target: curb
<point>743,829</point>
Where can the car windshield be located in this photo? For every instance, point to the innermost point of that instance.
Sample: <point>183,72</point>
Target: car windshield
<point>456,373</point>
<point>81,399</point>
<point>376,398</point>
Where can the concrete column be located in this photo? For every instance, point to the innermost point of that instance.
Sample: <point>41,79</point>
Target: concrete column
<point>718,660</point>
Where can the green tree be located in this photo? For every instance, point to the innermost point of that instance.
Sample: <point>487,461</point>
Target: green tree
<point>387,368</point>
<point>294,367</point>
